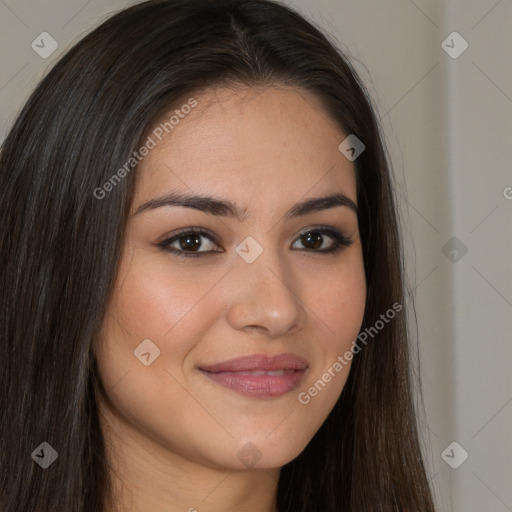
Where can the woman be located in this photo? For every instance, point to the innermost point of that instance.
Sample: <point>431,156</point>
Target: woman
<point>203,299</point>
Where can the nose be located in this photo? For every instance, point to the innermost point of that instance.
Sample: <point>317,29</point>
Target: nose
<point>264,297</point>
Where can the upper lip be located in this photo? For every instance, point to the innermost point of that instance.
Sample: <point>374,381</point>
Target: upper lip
<point>259,362</point>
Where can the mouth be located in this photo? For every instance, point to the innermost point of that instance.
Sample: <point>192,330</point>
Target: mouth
<point>259,376</point>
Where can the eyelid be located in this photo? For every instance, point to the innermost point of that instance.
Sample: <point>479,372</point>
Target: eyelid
<point>172,237</point>
<point>190,229</point>
<point>338,235</point>
<point>340,240</point>
<point>323,228</point>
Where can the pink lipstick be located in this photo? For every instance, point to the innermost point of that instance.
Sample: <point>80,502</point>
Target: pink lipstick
<point>258,375</point>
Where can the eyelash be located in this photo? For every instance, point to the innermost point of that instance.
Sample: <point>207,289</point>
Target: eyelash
<point>340,241</point>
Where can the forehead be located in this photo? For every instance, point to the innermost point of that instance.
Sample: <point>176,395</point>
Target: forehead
<point>248,142</point>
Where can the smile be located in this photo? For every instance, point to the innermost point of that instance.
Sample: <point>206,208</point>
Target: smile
<point>259,376</point>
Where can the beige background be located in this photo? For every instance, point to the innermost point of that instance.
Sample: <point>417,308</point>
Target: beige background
<point>448,124</point>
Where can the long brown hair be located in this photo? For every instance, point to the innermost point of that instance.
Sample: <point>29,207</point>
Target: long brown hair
<point>60,246</point>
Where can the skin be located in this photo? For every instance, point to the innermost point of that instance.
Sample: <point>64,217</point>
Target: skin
<point>172,434</point>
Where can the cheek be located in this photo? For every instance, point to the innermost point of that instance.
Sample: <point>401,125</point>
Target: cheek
<point>151,300</point>
<point>152,303</point>
<point>337,304</point>
<point>337,298</point>
<point>341,306</point>
<point>171,311</point>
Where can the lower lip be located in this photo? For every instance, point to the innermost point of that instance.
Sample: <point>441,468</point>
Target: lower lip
<point>259,386</point>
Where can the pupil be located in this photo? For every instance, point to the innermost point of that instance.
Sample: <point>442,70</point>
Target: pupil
<point>314,240</point>
<point>190,242</point>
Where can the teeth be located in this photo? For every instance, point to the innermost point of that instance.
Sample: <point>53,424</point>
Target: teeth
<point>270,373</point>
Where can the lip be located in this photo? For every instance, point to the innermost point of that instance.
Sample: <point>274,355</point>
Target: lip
<point>259,375</point>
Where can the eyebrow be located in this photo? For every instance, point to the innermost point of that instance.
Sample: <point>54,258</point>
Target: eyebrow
<point>224,208</point>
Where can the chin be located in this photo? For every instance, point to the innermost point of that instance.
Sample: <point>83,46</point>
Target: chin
<point>250,454</point>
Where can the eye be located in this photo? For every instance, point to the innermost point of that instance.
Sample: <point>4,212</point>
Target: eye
<point>317,240</point>
<point>196,242</point>
<point>189,241</point>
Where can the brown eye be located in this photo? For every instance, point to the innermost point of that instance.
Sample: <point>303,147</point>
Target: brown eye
<point>312,240</point>
<point>190,242</point>
<point>317,240</point>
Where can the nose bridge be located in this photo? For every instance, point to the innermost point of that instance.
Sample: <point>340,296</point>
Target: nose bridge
<point>263,292</point>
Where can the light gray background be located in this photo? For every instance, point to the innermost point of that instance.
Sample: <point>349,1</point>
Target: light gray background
<point>448,125</point>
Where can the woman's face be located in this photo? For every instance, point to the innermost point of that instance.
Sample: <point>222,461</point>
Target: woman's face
<point>256,285</point>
